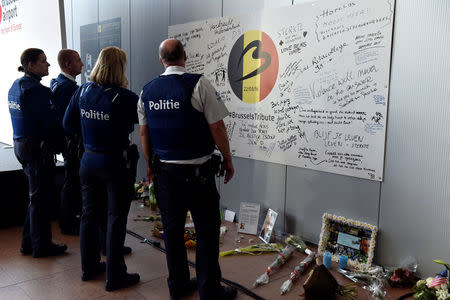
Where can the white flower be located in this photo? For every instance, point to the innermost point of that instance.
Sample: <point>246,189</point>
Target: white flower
<point>442,292</point>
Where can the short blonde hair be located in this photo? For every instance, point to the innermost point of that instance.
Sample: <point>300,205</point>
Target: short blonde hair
<point>109,70</point>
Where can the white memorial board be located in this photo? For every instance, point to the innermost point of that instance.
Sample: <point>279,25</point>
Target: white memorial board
<point>306,85</point>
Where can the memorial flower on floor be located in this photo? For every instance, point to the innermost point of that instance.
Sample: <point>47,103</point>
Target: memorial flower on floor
<point>281,259</point>
<point>401,277</point>
<point>298,270</point>
<point>254,249</point>
<point>434,288</point>
<point>145,191</point>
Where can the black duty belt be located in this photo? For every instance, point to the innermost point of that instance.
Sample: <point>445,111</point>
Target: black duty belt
<point>194,169</point>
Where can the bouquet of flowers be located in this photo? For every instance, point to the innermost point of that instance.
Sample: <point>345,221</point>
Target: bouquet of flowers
<point>283,256</point>
<point>371,279</point>
<point>436,288</point>
<point>145,190</point>
<point>402,277</point>
<point>254,249</point>
<point>287,285</point>
<point>297,242</point>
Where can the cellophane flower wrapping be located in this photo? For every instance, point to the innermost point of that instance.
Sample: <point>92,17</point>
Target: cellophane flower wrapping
<point>298,270</point>
<point>254,249</point>
<point>281,259</point>
<point>371,279</point>
<point>403,275</point>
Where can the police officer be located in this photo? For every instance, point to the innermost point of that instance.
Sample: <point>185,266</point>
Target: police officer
<point>37,137</point>
<point>180,117</point>
<point>63,88</point>
<point>104,112</point>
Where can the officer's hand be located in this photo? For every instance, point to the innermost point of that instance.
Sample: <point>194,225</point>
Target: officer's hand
<point>150,174</point>
<point>227,169</point>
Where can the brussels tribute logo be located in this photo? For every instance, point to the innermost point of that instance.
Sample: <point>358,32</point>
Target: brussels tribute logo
<point>253,66</point>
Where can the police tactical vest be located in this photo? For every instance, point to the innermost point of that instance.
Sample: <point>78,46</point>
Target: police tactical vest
<point>104,126</point>
<point>62,89</point>
<point>31,109</point>
<point>177,130</point>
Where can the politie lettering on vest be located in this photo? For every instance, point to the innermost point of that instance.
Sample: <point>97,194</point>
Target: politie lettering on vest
<point>95,115</point>
<point>14,105</point>
<point>163,104</point>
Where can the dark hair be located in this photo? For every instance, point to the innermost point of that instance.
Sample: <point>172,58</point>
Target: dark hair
<point>173,54</point>
<point>29,55</point>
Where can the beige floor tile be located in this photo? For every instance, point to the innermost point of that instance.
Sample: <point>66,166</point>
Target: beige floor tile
<point>5,279</point>
<point>64,285</point>
<point>13,293</point>
<point>22,268</point>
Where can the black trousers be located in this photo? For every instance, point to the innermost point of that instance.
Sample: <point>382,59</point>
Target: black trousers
<point>70,207</point>
<point>180,188</point>
<point>40,171</point>
<point>111,181</point>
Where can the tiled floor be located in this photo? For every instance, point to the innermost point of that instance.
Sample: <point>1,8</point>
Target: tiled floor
<point>23,277</point>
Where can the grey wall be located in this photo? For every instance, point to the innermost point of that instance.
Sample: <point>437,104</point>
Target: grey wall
<point>410,207</point>
<point>414,200</point>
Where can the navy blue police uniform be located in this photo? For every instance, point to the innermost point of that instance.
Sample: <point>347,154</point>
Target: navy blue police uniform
<point>179,132</point>
<point>70,209</point>
<point>105,117</point>
<point>37,137</point>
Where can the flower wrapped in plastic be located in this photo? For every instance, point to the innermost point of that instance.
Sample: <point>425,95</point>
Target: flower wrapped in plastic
<point>371,279</point>
<point>145,191</point>
<point>297,242</point>
<point>404,275</point>
<point>401,277</point>
<point>287,285</point>
<point>254,249</point>
<point>281,259</point>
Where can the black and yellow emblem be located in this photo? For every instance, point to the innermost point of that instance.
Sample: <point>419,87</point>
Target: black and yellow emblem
<point>253,66</point>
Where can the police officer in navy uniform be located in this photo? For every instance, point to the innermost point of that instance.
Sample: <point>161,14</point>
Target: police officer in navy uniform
<point>63,88</point>
<point>37,137</point>
<point>104,112</point>
<point>181,122</point>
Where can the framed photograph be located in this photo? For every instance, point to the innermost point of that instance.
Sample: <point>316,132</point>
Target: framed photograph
<point>354,239</point>
<point>267,228</point>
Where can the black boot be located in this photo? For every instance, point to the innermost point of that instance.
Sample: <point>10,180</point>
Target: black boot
<point>126,281</point>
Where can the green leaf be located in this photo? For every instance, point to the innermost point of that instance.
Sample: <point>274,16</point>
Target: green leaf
<point>438,261</point>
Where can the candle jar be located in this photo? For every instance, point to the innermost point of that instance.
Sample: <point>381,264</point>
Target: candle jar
<point>327,260</point>
<point>343,262</point>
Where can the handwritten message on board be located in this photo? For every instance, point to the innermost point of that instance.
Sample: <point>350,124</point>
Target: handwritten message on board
<point>306,85</point>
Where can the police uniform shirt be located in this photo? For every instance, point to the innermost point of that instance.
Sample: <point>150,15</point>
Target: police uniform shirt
<point>204,99</point>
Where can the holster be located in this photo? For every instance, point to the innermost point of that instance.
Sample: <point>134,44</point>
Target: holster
<point>131,156</point>
<point>74,148</point>
<point>216,161</point>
